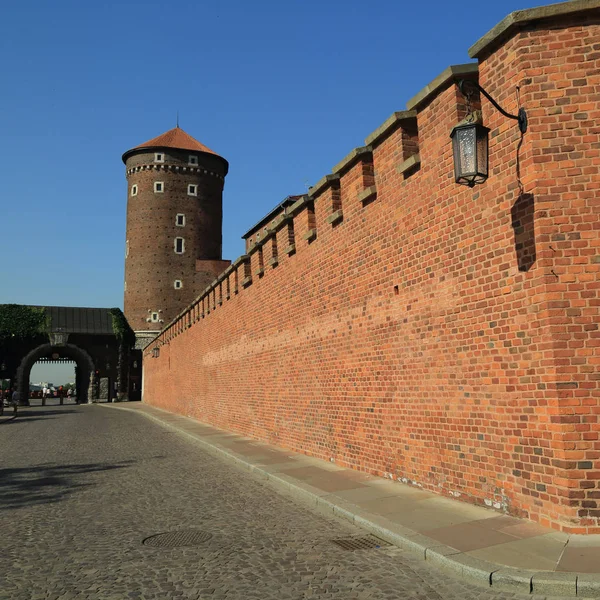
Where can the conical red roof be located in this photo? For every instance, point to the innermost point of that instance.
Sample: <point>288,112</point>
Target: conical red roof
<point>176,138</point>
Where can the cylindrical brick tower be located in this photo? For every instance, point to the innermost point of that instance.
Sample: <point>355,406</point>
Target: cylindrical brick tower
<point>174,228</point>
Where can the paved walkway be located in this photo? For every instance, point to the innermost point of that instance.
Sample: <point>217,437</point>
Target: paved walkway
<point>87,492</point>
<point>476,543</point>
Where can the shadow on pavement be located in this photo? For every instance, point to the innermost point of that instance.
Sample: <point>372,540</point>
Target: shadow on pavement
<point>43,484</point>
<point>26,414</point>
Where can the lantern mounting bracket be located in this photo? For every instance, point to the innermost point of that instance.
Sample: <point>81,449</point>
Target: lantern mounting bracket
<point>520,117</point>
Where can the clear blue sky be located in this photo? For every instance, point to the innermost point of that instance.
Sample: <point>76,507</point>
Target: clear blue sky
<point>282,90</point>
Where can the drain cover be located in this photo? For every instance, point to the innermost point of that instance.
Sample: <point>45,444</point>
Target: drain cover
<point>366,542</point>
<point>177,539</point>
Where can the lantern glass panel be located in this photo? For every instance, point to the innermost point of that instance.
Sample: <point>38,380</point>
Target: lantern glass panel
<point>482,152</point>
<point>466,150</point>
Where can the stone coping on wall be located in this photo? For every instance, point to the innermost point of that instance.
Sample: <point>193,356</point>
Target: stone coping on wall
<point>441,81</point>
<point>239,261</point>
<point>351,158</point>
<point>390,125</point>
<point>410,163</point>
<point>519,18</point>
<point>297,206</point>
<point>324,182</point>
<point>230,269</point>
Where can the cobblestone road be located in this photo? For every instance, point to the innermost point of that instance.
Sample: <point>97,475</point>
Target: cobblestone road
<point>82,486</point>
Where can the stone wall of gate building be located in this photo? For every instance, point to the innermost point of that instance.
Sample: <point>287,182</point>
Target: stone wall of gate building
<point>398,323</point>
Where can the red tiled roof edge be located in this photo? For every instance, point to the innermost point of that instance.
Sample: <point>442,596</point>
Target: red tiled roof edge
<point>174,138</point>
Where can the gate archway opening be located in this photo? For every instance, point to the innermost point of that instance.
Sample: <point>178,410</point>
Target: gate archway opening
<point>55,376</point>
<point>84,368</point>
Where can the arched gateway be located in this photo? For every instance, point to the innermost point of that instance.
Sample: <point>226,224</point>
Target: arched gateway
<point>85,369</point>
<point>98,340</point>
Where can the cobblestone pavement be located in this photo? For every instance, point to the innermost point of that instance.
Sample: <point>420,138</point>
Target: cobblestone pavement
<point>82,486</point>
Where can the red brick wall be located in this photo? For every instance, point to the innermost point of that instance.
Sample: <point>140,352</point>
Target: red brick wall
<point>439,335</point>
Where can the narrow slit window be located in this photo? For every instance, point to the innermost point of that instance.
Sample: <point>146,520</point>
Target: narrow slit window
<point>134,190</point>
<point>180,220</point>
<point>178,284</point>
<point>159,187</point>
<point>192,189</point>
<point>159,157</point>
<point>179,245</point>
<point>192,160</point>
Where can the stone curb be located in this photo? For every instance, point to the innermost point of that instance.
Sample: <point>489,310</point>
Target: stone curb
<point>451,560</point>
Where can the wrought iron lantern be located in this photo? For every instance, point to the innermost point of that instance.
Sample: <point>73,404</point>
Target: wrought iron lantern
<point>470,138</point>
<point>155,352</point>
<point>470,149</point>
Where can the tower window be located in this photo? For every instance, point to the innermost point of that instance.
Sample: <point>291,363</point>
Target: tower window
<point>192,189</point>
<point>159,157</point>
<point>180,220</point>
<point>159,187</point>
<point>134,190</point>
<point>179,245</point>
<point>193,160</point>
<point>154,317</point>
<point>178,284</point>
<point>127,249</point>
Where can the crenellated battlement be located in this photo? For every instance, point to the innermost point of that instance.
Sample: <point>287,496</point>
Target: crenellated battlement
<point>395,322</point>
<point>353,179</point>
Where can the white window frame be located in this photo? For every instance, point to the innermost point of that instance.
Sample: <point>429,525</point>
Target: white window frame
<point>177,223</point>
<point>134,189</point>
<point>154,317</point>
<point>178,281</point>
<point>162,187</point>
<point>159,157</point>
<point>190,186</point>
<point>182,245</point>
<point>127,249</point>
<point>192,160</point>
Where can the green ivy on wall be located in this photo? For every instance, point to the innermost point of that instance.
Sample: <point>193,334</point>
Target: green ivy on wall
<point>121,328</point>
<point>21,322</point>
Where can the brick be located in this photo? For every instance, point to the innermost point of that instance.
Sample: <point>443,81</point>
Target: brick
<point>441,335</point>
